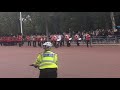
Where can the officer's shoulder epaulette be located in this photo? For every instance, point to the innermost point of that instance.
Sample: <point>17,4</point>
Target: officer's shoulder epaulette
<point>40,53</point>
<point>51,51</point>
<point>54,53</point>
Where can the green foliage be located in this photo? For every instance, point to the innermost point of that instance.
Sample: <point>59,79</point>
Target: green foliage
<point>35,22</point>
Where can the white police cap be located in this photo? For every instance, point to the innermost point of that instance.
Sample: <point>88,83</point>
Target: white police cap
<point>49,44</point>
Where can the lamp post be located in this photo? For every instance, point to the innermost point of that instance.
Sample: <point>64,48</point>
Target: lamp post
<point>113,20</point>
<point>21,23</point>
<point>46,20</point>
<point>47,30</point>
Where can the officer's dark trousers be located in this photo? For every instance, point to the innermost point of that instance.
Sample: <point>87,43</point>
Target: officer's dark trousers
<point>48,73</point>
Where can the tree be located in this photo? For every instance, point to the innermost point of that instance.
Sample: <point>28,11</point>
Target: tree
<point>55,22</point>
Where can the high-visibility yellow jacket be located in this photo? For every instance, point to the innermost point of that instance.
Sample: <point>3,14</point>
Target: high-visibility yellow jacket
<point>48,59</point>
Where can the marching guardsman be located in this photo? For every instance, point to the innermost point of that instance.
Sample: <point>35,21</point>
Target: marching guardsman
<point>38,40</point>
<point>62,40</point>
<point>59,40</point>
<point>76,38</point>
<point>28,40</point>
<point>67,39</point>
<point>55,40</point>
<point>1,41</point>
<point>20,39</point>
<point>88,37</point>
<point>34,41</point>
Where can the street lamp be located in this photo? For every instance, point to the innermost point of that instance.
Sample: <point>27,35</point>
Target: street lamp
<point>46,20</point>
<point>47,29</point>
<point>21,23</point>
<point>113,21</point>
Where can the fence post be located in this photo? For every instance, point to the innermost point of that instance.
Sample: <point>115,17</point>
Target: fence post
<point>91,41</point>
<point>116,39</point>
<point>106,40</point>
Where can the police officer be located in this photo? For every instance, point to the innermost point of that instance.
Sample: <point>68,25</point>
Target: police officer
<point>47,62</point>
